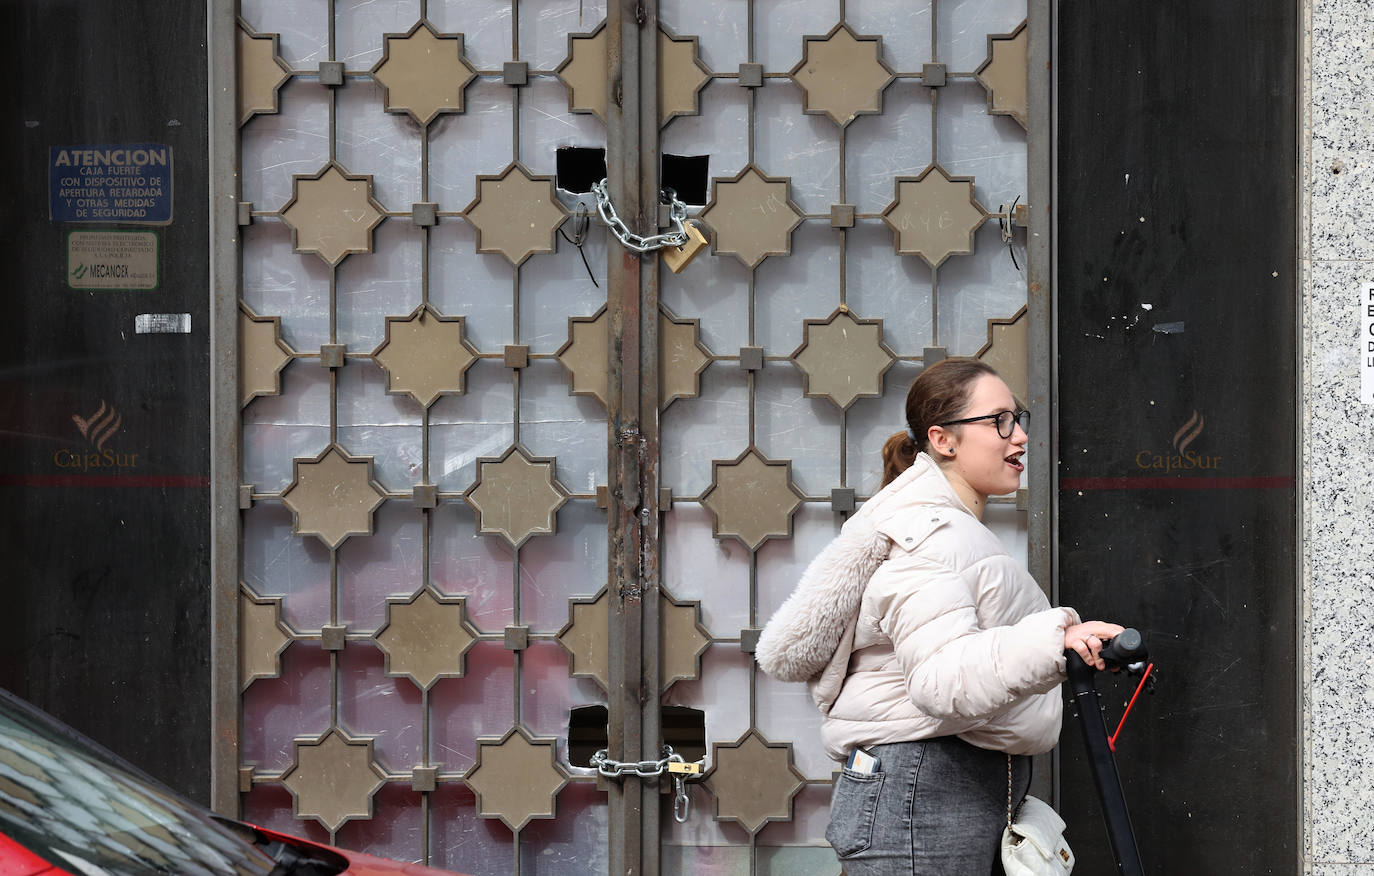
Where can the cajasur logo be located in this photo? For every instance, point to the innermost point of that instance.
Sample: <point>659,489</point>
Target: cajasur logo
<point>1184,458</point>
<point>97,429</point>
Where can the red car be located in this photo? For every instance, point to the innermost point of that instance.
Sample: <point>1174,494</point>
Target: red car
<point>68,806</point>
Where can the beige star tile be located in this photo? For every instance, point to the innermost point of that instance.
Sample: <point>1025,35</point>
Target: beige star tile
<point>583,72</point>
<point>1008,350</point>
<point>262,354</point>
<point>262,637</point>
<point>423,73</point>
<point>752,216</point>
<point>843,358</point>
<point>1005,74</point>
<point>682,640</point>
<point>842,75</point>
<point>516,777</point>
<point>426,637</point>
<point>260,73</point>
<point>425,355</point>
<point>332,213</point>
<point>516,496</point>
<point>681,358</point>
<point>586,355</point>
<point>753,781</point>
<point>515,214</point>
<point>586,638</point>
<point>332,496</point>
<point>934,215</point>
<point>333,778</point>
<point>751,498</point>
<point>681,76</point>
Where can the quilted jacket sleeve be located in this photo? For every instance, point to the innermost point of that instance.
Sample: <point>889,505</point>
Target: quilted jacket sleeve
<point>953,667</point>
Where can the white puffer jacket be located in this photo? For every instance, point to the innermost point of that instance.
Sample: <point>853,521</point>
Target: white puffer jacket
<point>915,623</point>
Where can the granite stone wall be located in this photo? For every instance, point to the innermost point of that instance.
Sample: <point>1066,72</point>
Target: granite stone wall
<point>1336,251</point>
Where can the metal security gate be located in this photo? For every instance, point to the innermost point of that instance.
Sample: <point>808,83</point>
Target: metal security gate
<point>491,490</point>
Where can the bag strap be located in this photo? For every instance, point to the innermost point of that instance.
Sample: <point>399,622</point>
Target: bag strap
<point>1008,790</point>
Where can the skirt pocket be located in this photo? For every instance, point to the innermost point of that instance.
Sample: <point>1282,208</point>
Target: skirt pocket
<point>853,809</point>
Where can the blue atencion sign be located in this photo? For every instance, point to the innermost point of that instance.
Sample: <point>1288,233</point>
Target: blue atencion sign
<point>123,183</point>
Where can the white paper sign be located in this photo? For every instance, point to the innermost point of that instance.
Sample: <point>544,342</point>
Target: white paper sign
<point>1367,343</point>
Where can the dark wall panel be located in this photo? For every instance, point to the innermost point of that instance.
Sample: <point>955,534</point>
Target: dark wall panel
<point>1177,295</point>
<point>106,569</point>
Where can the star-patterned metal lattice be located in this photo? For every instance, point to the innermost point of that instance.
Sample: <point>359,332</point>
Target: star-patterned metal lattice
<point>586,638</point>
<point>1005,75</point>
<point>516,496</point>
<point>262,637</point>
<point>423,72</point>
<point>583,72</point>
<point>681,76</point>
<point>425,355</point>
<point>586,355</point>
<point>333,778</point>
<point>262,354</point>
<point>1008,350</point>
<point>332,213</point>
<point>681,358</point>
<point>516,777</point>
<point>682,640</point>
<point>843,358</point>
<point>752,215</point>
<point>753,781</point>
<point>515,214</point>
<point>332,496</point>
<point>260,73</point>
<point>426,637</point>
<point>751,498</point>
<point>934,215</point>
<point>842,75</point>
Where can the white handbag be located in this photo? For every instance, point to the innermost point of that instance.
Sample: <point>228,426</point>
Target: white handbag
<point>1033,842</point>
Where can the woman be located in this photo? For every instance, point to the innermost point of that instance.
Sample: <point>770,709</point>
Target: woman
<point>930,651</point>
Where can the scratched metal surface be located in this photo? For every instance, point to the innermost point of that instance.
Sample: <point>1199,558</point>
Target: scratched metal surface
<point>1177,338</point>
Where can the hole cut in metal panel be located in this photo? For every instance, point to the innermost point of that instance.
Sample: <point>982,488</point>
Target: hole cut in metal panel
<point>577,167</point>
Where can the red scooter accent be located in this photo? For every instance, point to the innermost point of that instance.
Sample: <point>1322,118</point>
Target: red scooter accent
<point>1111,740</point>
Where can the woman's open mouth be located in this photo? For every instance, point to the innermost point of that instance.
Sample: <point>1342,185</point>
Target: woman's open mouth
<point>1015,462</point>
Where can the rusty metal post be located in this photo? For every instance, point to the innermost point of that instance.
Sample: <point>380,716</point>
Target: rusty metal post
<point>224,410</point>
<point>632,409</point>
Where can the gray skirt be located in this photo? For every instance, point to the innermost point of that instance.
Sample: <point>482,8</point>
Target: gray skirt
<point>936,807</point>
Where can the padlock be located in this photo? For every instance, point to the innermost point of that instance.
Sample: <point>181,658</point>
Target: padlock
<point>677,257</point>
<point>689,768</point>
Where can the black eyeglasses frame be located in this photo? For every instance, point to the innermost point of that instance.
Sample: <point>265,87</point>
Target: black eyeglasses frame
<point>1019,417</point>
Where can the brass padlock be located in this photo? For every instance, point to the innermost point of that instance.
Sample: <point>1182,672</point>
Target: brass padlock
<point>688,767</point>
<point>677,257</point>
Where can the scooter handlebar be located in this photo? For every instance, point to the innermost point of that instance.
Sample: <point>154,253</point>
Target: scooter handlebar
<point>1125,649</point>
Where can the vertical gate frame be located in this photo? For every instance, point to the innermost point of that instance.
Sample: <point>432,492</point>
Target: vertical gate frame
<point>633,437</point>
<point>1042,253</point>
<point>225,434</point>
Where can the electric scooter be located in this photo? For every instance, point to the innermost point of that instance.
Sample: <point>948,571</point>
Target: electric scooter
<point>1125,652</point>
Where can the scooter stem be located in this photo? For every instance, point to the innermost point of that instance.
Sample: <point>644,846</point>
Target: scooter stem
<point>1105,776</point>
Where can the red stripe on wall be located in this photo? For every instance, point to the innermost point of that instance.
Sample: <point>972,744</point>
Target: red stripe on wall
<point>76,480</point>
<point>1179,483</point>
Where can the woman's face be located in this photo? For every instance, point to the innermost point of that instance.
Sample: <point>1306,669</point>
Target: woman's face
<point>990,464</point>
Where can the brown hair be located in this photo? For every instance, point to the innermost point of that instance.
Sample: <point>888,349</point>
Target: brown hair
<point>939,394</point>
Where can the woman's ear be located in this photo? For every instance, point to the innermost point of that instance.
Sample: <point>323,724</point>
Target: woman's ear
<point>941,441</point>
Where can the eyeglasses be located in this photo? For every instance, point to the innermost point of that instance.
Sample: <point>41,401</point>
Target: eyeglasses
<point>1003,420</point>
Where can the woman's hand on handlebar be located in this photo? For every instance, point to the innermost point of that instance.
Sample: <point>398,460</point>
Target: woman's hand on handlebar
<point>1087,639</point>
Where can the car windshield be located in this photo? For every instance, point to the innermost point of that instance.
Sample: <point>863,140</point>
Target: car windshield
<point>71,805</point>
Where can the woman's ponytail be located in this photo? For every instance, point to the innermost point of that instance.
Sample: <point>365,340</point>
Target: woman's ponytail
<point>899,452</point>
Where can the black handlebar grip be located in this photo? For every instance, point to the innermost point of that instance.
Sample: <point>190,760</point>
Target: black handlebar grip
<point>1125,649</point>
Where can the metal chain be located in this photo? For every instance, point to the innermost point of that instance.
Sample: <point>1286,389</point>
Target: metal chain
<point>677,212</point>
<point>616,769</point>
